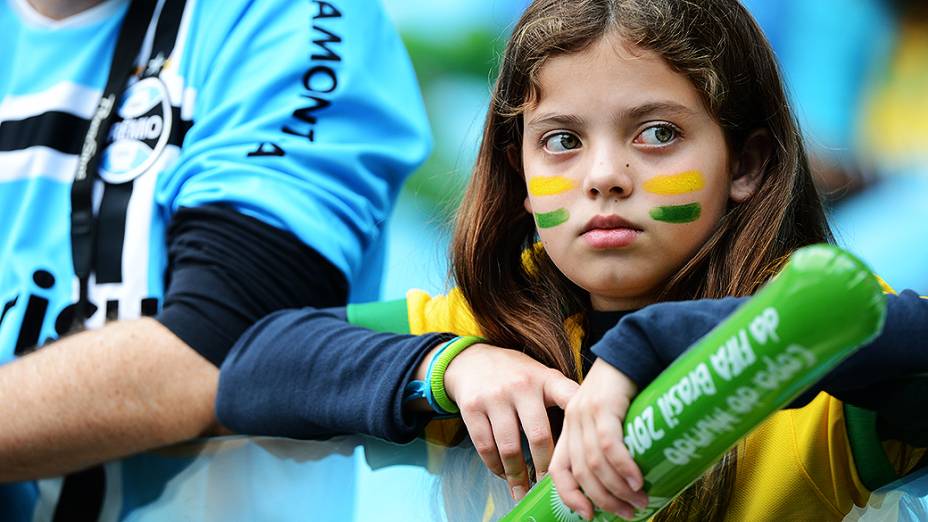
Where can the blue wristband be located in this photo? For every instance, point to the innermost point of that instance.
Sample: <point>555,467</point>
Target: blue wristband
<point>423,390</point>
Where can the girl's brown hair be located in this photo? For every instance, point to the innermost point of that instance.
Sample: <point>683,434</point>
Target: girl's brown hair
<point>717,45</point>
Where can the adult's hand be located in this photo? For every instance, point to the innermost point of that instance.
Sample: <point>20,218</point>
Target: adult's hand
<point>498,391</point>
<point>591,459</point>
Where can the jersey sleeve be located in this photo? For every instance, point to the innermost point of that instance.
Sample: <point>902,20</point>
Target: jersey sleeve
<point>305,115</point>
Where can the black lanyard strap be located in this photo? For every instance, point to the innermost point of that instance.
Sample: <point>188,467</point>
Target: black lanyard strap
<point>128,46</point>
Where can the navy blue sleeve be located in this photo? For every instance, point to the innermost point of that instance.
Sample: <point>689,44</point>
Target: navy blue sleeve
<point>309,374</point>
<point>647,341</point>
<point>227,270</point>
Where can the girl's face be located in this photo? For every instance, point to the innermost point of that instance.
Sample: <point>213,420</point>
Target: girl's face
<point>627,173</point>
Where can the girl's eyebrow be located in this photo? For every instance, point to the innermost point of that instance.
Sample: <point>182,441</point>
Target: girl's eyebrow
<point>658,107</point>
<point>547,119</point>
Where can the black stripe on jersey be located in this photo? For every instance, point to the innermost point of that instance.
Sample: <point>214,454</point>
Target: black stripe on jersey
<point>168,27</point>
<point>64,132</point>
<point>179,129</point>
<point>111,232</point>
<point>81,495</point>
<point>57,130</point>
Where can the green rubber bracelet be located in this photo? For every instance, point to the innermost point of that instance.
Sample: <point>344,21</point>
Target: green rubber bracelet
<point>437,375</point>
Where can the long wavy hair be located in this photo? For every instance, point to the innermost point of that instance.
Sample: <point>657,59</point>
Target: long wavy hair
<point>718,46</point>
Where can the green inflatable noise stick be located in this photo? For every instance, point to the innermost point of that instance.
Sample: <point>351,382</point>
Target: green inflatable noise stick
<point>819,309</point>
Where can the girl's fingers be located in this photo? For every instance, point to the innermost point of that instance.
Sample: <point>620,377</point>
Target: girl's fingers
<point>508,440</point>
<point>567,487</point>
<point>612,445</point>
<point>558,390</point>
<point>578,465</point>
<point>481,434</point>
<point>581,457</point>
<point>601,438</point>
<point>537,429</point>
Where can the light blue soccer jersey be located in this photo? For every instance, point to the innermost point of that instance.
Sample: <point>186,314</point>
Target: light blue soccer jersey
<point>303,114</point>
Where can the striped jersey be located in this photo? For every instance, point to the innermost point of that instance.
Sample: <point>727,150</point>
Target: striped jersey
<point>304,114</point>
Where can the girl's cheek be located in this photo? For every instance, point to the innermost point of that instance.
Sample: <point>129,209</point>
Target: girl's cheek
<point>677,214</point>
<point>548,186</point>
<point>552,219</point>
<point>687,182</point>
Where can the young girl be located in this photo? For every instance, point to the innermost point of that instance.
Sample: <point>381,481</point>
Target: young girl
<point>648,144</point>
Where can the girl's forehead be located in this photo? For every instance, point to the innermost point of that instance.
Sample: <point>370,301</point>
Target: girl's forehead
<point>611,75</point>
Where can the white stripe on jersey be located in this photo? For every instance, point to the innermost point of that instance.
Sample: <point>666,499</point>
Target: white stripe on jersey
<point>135,250</point>
<point>35,162</point>
<point>49,491</point>
<point>66,97</point>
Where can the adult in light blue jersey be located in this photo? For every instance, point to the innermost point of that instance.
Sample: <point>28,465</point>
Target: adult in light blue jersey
<point>253,158</point>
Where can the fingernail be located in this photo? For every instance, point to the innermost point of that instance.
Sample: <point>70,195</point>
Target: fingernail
<point>628,513</point>
<point>640,503</point>
<point>518,492</point>
<point>634,483</point>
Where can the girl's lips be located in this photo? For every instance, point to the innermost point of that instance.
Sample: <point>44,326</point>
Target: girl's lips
<point>605,232</point>
<point>606,238</point>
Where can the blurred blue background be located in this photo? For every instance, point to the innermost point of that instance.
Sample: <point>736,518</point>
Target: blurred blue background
<point>857,72</point>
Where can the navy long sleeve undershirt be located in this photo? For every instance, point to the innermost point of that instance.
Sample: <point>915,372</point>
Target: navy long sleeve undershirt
<point>227,270</point>
<point>309,374</point>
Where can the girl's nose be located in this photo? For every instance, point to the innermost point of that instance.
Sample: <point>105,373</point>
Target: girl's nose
<point>609,177</point>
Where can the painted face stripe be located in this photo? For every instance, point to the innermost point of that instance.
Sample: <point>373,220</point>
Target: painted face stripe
<point>549,185</point>
<point>682,183</point>
<point>677,213</point>
<point>552,219</point>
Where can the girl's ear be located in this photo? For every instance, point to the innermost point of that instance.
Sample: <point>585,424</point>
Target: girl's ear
<point>514,157</point>
<point>749,166</point>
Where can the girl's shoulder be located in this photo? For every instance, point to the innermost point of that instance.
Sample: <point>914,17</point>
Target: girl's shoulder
<point>814,462</point>
<point>417,313</point>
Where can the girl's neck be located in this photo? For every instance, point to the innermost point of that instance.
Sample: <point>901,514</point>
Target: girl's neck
<point>61,9</point>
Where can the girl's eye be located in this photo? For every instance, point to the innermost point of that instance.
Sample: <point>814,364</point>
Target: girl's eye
<point>658,135</point>
<point>561,142</point>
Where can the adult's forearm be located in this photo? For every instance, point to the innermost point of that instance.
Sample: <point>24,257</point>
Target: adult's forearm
<point>99,395</point>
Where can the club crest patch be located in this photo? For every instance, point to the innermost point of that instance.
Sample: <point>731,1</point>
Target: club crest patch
<point>140,132</point>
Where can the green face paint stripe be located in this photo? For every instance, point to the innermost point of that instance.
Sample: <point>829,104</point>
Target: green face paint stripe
<point>549,185</point>
<point>552,219</point>
<point>669,185</point>
<point>677,213</point>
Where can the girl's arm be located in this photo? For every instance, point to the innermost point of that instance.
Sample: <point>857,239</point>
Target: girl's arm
<point>590,459</point>
<point>308,373</point>
<point>647,341</point>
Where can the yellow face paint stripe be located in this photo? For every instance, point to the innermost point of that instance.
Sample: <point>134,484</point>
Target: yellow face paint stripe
<point>682,183</point>
<point>549,185</point>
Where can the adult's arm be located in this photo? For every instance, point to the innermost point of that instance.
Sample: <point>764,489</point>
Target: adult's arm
<point>647,341</point>
<point>135,385</point>
<point>101,394</point>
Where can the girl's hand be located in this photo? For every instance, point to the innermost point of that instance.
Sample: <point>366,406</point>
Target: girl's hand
<point>591,455</point>
<point>498,390</point>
